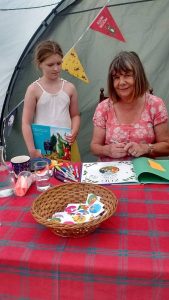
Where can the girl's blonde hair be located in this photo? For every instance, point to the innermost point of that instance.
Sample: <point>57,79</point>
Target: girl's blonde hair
<point>45,49</point>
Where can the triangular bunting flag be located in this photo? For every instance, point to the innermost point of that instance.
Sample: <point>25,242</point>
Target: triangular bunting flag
<point>105,24</point>
<point>72,65</point>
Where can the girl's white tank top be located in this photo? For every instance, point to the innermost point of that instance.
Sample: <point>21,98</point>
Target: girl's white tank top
<point>53,109</point>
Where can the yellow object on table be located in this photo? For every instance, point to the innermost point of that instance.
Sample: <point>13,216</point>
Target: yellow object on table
<point>156,165</point>
<point>75,154</point>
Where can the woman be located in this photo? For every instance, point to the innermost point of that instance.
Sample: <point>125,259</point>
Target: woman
<point>50,100</point>
<point>131,122</point>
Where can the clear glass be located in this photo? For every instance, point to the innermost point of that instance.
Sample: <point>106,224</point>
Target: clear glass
<point>42,175</point>
<point>7,177</point>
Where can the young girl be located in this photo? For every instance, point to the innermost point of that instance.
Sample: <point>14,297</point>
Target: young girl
<point>50,100</point>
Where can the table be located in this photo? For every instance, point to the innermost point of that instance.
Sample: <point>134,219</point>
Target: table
<point>126,258</point>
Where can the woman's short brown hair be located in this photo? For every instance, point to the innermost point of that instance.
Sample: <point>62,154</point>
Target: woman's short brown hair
<point>45,49</point>
<point>128,62</point>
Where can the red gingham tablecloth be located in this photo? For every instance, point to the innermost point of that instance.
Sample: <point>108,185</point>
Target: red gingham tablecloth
<point>127,258</point>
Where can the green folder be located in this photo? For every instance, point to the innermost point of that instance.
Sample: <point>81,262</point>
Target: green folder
<point>148,174</point>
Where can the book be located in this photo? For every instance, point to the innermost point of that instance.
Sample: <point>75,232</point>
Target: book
<point>138,170</point>
<point>51,141</point>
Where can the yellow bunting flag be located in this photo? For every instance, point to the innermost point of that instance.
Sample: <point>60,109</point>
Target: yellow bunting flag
<point>72,65</point>
<point>156,165</point>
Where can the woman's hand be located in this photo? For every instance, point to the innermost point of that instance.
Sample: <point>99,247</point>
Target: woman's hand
<point>116,150</point>
<point>135,149</point>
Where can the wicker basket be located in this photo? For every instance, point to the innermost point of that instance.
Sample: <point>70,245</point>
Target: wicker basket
<point>57,198</point>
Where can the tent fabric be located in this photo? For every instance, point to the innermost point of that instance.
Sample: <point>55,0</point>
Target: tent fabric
<point>19,19</point>
<point>144,25</point>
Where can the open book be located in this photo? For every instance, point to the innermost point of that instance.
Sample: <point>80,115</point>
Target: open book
<point>51,141</point>
<point>138,170</point>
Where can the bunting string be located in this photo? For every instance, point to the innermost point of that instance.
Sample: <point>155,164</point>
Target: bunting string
<point>71,62</point>
<point>86,30</point>
<point>105,24</point>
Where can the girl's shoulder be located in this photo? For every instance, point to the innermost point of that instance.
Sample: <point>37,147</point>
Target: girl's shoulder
<point>68,87</point>
<point>33,90</point>
<point>67,83</point>
<point>32,87</point>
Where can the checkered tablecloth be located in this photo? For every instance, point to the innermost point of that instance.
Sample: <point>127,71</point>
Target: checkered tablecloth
<point>127,258</point>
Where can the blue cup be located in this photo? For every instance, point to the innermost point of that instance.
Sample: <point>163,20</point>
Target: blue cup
<point>20,163</point>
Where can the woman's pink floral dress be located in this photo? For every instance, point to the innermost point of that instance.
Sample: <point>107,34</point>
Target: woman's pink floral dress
<point>154,113</point>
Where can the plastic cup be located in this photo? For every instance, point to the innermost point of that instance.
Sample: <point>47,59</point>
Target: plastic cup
<point>42,175</point>
<point>24,181</point>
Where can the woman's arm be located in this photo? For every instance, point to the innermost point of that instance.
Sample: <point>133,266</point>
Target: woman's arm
<point>159,148</point>
<point>27,119</point>
<point>99,148</point>
<point>159,115</point>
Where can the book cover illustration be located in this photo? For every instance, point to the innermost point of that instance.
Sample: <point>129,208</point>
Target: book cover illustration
<point>51,141</point>
<point>108,172</point>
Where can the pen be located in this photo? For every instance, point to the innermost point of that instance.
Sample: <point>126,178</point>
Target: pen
<point>67,170</point>
<point>64,174</point>
<point>77,172</point>
<point>60,176</point>
<point>64,169</point>
<point>71,169</point>
<point>70,175</point>
<point>59,169</point>
<point>57,176</point>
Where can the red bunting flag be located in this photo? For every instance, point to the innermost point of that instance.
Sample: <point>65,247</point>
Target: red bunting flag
<point>105,24</point>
